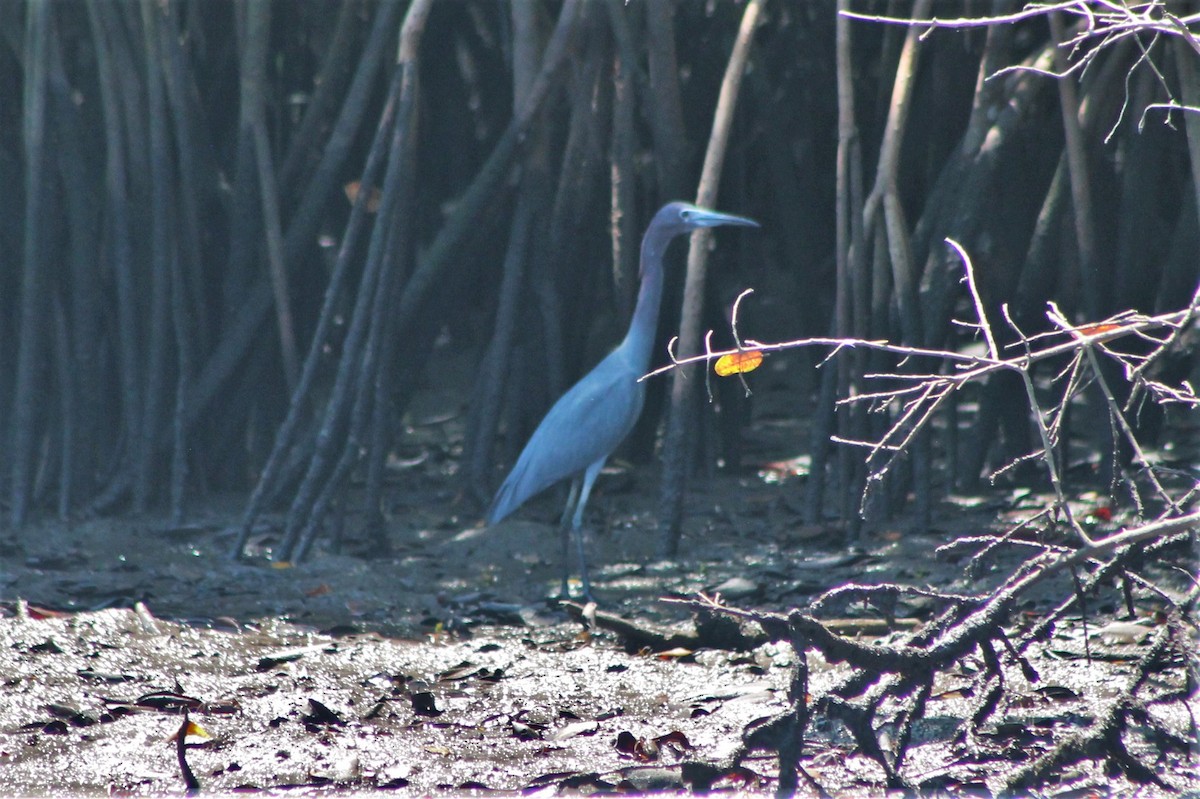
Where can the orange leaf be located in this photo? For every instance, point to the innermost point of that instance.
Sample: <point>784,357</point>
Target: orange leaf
<point>351,190</point>
<point>1095,330</point>
<point>36,612</point>
<point>738,362</point>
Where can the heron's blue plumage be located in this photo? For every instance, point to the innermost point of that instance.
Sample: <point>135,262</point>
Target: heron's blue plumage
<point>594,416</point>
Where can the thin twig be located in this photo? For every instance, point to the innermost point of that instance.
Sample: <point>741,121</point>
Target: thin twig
<point>977,365</point>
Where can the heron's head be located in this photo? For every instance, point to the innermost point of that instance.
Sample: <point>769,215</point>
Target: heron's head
<point>679,217</point>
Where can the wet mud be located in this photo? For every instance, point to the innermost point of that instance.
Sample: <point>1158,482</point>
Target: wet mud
<point>444,667</point>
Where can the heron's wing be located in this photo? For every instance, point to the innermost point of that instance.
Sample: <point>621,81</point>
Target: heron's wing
<point>584,426</point>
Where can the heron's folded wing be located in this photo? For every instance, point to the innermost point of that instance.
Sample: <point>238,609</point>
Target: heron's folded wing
<point>584,426</point>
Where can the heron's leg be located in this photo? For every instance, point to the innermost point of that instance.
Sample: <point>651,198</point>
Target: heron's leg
<point>565,529</point>
<point>589,477</point>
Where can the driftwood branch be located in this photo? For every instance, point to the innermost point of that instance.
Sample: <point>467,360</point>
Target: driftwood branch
<point>891,681</point>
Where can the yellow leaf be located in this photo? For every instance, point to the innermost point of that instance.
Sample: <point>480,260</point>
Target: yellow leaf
<point>195,729</point>
<point>738,362</point>
<point>190,730</point>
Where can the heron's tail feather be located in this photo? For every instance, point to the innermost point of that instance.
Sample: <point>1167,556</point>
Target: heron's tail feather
<point>502,503</point>
<point>521,484</point>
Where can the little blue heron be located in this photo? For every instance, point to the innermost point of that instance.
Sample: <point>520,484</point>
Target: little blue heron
<point>594,416</point>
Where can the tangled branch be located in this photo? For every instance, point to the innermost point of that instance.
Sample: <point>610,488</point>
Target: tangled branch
<point>883,694</point>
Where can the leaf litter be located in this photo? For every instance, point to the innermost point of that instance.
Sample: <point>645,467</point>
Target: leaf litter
<point>440,667</point>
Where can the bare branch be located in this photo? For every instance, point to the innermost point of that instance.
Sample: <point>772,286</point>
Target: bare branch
<point>1137,323</point>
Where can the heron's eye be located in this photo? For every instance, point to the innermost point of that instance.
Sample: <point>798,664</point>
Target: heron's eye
<point>686,216</point>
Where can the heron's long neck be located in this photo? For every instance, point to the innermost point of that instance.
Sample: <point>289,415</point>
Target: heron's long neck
<point>639,341</point>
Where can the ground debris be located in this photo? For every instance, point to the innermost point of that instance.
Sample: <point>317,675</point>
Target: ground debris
<point>490,712</point>
<point>439,674</point>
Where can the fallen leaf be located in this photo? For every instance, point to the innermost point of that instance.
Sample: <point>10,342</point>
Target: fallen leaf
<point>574,730</point>
<point>675,654</point>
<point>47,647</point>
<point>526,732</point>
<point>321,715</point>
<point>643,749</point>
<point>460,672</point>
<point>25,610</point>
<point>167,702</point>
<point>1124,632</point>
<point>1058,693</point>
<point>675,740</point>
<point>423,704</point>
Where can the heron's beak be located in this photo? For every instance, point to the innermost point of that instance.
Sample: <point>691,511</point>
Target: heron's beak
<point>707,218</point>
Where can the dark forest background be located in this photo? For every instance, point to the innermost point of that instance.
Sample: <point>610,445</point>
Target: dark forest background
<point>235,236</point>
